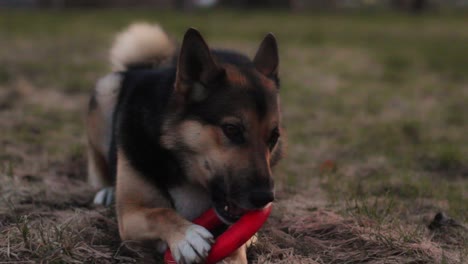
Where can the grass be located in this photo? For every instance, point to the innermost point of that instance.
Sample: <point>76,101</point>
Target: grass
<point>374,105</point>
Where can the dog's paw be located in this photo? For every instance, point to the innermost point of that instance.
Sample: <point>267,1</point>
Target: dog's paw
<point>194,247</point>
<point>105,196</point>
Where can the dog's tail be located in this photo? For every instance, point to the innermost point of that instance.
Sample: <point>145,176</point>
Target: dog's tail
<point>141,45</point>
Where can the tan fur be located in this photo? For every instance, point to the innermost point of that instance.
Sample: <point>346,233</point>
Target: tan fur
<point>140,43</point>
<point>98,171</point>
<point>235,77</point>
<point>237,257</point>
<point>208,145</point>
<point>143,212</point>
<point>99,125</point>
<point>199,139</point>
<point>267,82</point>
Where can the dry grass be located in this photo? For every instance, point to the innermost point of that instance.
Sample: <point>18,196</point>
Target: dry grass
<point>377,136</point>
<point>322,236</point>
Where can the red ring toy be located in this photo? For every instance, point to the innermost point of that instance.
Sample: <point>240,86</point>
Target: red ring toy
<point>233,238</point>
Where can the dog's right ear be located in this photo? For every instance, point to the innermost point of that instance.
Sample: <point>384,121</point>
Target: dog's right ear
<point>267,60</point>
<point>196,67</point>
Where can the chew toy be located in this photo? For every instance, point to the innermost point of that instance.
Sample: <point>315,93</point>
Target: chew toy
<point>233,238</point>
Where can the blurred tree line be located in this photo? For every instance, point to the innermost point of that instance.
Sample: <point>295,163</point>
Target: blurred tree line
<point>295,5</point>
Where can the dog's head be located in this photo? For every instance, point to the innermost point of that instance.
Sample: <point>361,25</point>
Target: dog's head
<point>225,124</point>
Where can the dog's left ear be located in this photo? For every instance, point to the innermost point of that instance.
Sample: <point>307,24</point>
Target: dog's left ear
<point>196,67</point>
<point>267,60</point>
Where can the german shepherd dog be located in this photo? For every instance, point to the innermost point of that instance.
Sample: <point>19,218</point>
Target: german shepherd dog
<point>181,130</point>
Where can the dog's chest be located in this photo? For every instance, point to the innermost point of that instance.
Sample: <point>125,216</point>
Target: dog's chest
<point>190,201</point>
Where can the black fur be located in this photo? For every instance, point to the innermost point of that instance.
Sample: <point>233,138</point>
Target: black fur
<point>137,125</point>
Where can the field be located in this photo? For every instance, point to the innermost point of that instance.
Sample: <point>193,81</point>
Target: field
<point>375,105</point>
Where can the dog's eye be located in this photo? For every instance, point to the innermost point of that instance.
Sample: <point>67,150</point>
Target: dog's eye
<point>234,133</point>
<point>273,138</point>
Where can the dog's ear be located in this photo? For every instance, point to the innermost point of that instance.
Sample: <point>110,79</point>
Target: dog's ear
<point>196,67</point>
<point>267,60</point>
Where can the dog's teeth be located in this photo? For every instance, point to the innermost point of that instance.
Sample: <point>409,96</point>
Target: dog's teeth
<point>226,208</point>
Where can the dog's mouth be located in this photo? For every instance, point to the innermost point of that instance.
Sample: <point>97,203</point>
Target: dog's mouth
<point>229,212</point>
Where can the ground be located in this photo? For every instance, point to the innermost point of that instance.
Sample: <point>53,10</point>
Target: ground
<point>376,111</point>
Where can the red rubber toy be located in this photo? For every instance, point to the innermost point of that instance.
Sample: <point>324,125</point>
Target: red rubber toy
<point>239,233</point>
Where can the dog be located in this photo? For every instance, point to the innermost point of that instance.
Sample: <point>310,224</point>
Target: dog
<point>179,130</point>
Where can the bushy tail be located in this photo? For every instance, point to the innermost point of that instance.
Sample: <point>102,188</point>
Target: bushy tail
<point>140,44</point>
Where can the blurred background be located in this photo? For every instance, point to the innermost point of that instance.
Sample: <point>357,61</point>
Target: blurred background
<point>375,103</point>
<point>296,5</point>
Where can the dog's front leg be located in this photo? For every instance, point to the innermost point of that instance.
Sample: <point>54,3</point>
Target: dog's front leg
<point>144,213</point>
<point>189,243</point>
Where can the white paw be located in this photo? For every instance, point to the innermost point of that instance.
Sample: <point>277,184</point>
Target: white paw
<point>194,247</point>
<point>105,196</point>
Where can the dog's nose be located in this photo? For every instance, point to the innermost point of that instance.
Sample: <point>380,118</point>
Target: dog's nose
<point>261,198</point>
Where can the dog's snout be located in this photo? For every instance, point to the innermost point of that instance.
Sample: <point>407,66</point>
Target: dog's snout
<point>261,198</point>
